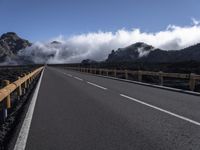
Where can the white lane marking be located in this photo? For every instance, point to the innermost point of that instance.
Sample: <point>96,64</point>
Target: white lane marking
<point>78,78</point>
<point>24,131</point>
<point>101,87</point>
<point>162,110</point>
<point>69,75</point>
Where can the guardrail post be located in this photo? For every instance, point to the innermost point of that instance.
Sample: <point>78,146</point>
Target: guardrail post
<point>6,104</point>
<point>25,85</point>
<point>106,72</point>
<point>140,76</point>
<point>161,78</point>
<point>29,81</point>
<point>99,71</point>
<point>115,73</point>
<point>126,74</point>
<point>19,90</point>
<point>95,71</point>
<point>192,82</point>
<point>90,70</point>
<point>3,112</point>
<point>7,99</point>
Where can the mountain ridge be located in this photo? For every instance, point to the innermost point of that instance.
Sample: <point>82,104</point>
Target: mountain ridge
<point>142,52</point>
<point>10,45</point>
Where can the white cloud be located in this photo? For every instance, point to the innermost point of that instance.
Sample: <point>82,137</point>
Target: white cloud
<point>98,45</point>
<point>195,22</point>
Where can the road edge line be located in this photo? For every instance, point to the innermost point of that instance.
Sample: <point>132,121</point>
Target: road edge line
<point>24,131</point>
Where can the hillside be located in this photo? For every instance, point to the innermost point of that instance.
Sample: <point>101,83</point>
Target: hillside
<point>10,44</point>
<point>141,52</point>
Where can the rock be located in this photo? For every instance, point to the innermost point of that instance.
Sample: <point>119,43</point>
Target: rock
<point>10,44</point>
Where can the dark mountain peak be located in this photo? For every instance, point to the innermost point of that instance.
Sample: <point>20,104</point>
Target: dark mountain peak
<point>10,44</point>
<point>139,44</point>
<point>130,53</point>
<point>9,35</point>
<point>55,42</point>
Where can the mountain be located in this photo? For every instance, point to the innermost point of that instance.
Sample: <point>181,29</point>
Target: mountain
<point>55,42</point>
<point>10,44</point>
<point>88,61</point>
<point>141,52</point>
<point>130,53</point>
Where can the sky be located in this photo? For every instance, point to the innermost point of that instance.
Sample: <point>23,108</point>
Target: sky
<point>40,20</point>
<point>91,29</point>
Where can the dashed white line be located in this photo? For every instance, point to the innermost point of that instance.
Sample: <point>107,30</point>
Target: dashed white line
<point>101,87</point>
<point>23,135</point>
<point>162,110</point>
<point>69,75</point>
<point>78,78</point>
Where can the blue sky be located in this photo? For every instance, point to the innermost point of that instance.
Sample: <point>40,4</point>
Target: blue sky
<point>44,19</point>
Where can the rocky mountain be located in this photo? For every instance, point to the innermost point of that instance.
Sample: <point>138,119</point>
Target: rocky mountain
<point>141,52</point>
<point>10,44</point>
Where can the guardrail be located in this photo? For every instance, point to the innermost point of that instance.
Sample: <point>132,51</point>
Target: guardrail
<point>192,78</point>
<point>19,86</point>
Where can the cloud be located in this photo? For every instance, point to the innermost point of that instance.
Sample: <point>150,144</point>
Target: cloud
<point>99,44</point>
<point>195,22</point>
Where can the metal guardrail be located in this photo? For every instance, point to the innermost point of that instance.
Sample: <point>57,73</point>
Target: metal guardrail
<point>192,78</point>
<point>19,86</point>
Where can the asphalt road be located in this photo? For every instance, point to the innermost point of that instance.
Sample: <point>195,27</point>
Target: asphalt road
<point>77,111</point>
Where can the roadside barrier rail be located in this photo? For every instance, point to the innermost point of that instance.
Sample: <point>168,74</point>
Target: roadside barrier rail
<point>19,86</point>
<point>192,78</point>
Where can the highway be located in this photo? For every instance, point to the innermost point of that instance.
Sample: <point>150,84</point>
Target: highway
<point>79,111</point>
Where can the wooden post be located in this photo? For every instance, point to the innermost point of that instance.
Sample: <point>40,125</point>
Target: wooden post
<point>126,74</point>
<point>3,112</point>
<point>161,78</point>
<point>192,82</point>
<point>106,72</point>
<point>29,81</point>
<point>7,99</point>
<point>25,85</point>
<point>95,71</point>
<point>140,76</point>
<point>19,91</point>
<point>99,71</point>
<point>115,73</point>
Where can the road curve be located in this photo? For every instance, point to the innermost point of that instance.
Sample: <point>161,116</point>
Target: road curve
<point>77,111</point>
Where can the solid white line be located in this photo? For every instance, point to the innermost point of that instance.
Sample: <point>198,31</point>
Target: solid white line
<point>78,78</point>
<point>23,135</point>
<point>101,87</point>
<point>162,110</point>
